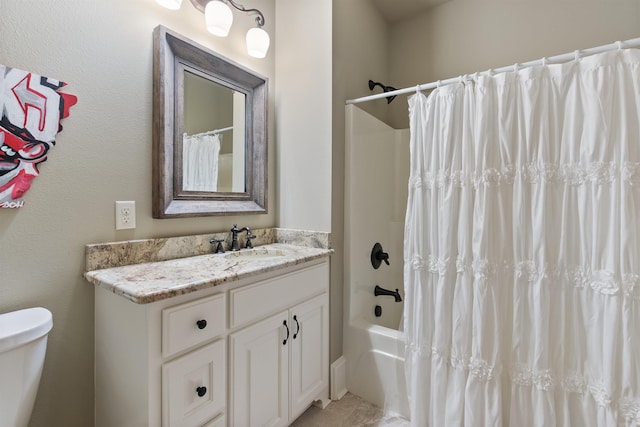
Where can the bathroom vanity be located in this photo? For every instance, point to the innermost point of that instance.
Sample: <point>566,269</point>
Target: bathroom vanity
<point>233,339</point>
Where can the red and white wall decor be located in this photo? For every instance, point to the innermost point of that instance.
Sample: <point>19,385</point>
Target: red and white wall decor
<point>32,107</point>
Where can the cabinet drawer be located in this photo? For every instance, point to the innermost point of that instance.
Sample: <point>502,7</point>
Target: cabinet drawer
<point>257,301</point>
<point>194,387</point>
<point>189,324</point>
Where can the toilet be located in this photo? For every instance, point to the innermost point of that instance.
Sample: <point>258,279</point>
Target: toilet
<point>23,344</point>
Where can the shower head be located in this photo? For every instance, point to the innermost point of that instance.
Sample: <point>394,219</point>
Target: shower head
<point>385,88</point>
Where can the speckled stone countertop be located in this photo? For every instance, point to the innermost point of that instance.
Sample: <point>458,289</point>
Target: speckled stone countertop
<point>146,271</point>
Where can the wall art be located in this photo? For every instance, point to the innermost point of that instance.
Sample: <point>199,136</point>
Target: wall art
<point>32,107</point>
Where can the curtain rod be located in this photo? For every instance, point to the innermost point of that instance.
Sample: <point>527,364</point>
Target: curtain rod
<point>212,132</point>
<point>552,59</point>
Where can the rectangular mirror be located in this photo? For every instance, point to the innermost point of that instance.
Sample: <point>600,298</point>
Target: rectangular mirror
<point>209,132</point>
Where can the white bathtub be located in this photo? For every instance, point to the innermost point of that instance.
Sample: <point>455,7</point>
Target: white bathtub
<point>376,176</point>
<point>375,366</point>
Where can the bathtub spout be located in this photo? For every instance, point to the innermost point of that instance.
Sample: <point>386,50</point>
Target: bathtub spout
<point>381,291</point>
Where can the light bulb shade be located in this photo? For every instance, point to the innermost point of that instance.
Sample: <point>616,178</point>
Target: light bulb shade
<point>218,17</point>
<point>257,42</point>
<point>170,4</point>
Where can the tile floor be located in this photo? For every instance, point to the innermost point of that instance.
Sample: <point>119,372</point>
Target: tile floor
<point>350,411</point>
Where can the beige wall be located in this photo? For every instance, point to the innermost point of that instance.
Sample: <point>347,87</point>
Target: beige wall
<point>303,114</point>
<point>465,36</point>
<point>103,49</point>
<point>360,53</point>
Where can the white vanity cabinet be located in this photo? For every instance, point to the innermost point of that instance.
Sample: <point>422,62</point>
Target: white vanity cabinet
<point>249,352</point>
<point>280,365</point>
<point>160,364</point>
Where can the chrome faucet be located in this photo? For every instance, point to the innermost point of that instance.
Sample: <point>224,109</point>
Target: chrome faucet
<point>234,237</point>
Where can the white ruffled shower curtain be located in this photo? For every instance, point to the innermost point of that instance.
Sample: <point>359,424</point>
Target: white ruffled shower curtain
<point>200,162</point>
<point>522,248</point>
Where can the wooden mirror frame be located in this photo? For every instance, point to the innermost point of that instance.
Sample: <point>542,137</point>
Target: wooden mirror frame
<point>172,54</point>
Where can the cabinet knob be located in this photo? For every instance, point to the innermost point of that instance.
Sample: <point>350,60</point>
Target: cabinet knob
<point>201,391</point>
<point>201,324</point>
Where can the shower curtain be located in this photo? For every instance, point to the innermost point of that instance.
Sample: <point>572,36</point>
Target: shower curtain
<point>522,248</point>
<point>200,162</point>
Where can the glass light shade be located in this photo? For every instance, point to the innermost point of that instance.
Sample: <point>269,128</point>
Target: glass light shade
<point>170,4</point>
<point>218,17</point>
<point>257,42</point>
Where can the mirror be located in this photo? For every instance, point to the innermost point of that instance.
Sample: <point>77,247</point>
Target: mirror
<point>209,132</point>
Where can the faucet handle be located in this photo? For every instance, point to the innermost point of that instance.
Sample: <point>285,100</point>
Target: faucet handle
<point>378,255</point>
<point>250,236</point>
<point>219,248</point>
<point>383,256</point>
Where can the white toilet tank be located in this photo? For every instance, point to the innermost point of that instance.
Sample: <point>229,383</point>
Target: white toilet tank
<point>23,343</point>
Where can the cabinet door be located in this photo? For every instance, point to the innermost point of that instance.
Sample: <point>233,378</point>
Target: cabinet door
<point>309,353</point>
<point>259,368</point>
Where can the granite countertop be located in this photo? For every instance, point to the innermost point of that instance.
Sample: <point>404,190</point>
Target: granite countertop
<point>147,282</point>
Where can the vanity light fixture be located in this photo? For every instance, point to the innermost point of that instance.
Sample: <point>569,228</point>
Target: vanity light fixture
<point>219,17</point>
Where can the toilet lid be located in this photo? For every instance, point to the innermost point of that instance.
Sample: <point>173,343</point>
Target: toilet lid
<point>22,326</point>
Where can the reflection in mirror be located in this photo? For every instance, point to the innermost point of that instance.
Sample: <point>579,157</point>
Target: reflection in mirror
<point>213,153</point>
<point>209,132</point>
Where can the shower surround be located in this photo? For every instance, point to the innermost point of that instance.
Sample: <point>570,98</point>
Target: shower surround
<point>377,172</point>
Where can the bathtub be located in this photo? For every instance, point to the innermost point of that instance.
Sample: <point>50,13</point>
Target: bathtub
<point>376,176</point>
<point>375,366</point>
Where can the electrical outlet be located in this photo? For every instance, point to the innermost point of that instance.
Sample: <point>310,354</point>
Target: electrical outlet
<point>125,215</point>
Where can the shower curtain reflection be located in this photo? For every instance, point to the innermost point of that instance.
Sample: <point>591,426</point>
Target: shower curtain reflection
<point>200,156</point>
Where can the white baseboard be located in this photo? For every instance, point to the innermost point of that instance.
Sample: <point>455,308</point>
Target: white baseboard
<point>339,378</point>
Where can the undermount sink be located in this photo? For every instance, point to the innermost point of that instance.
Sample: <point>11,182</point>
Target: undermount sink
<point>256,253</point>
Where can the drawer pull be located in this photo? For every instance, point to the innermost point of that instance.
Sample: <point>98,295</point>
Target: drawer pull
<point>295,317</point>
<point>201,391</point>
<point>287,337</point>
<point>201,324</point>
